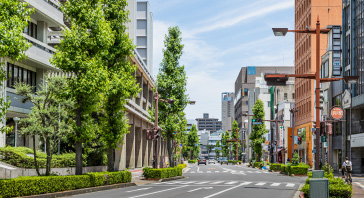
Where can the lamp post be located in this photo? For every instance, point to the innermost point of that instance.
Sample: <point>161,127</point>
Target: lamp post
<point>293,111</point>
<point>316,76</point>
<point>16,120</point>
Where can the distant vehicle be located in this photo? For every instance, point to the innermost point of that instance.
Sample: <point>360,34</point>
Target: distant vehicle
<point>201,161</point>
<point>212,161</point>
<point>218,159</point>
<point>224,160</point>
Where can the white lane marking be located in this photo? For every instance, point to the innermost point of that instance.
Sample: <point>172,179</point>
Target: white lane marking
<point>233,182</point>
<point>186,170</point>
<point>359,184</point>
<point>158,191</point>
<point>192,172</point>
<point>275,184</point>
<point>250,171</point>
<point>200,189</point>
<point>260,184</point>
<point>189,182</point>
<point>242,184</point>
<point>203,182</point>
<point>258,172</point>
<point>208,171</point>
<point>198,169</point>
<point>217,171</point>
<point>290,185</point>
<point>217,182</point>
<point>139,189</point>
<point>225,171</point>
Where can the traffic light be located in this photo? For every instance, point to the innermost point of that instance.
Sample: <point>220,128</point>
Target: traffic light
<point>299,140</point>
<point>322,99</point>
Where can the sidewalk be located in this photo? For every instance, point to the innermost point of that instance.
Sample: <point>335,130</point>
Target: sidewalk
<point>358,185</point>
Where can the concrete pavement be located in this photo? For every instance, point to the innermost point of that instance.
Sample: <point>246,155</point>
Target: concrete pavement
<point>213,180</point>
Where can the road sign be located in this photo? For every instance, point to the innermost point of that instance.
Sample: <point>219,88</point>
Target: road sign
<point>337,113</point>
<point>323,138</point>
<point>257,121</point>
<point>295,139</point>
<point>180,145</point>
<point>314,151</point>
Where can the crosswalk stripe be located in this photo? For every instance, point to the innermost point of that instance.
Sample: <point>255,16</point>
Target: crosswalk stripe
<point>190,182</point>
<point>224,171</point>
<point>258,172</point>
<point>275,184</point>
<point>208,171</point>
<point>250,171</point>
<point>217,171</point>
<point>246,183</point>
<point>233,182</point>
<point>290,185</point>
<point>260,184</point>
<point>192,172</point>
<point>203,182</point>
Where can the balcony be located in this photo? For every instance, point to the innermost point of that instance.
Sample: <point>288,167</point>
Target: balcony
<point>39,54</point>
<point>47,10</point>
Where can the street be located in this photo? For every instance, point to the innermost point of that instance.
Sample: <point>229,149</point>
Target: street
<point>214,180</point>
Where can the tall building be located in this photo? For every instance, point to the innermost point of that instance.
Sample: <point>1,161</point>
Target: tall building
<point>353,130</point>
<point>306,13</point>
<point>210,124</point>
<point>141,30</point>
<point>245,82</point>
<point>227,110</point>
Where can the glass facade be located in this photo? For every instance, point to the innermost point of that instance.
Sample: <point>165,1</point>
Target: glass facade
<point>358,39</point>
<point>18,74</point>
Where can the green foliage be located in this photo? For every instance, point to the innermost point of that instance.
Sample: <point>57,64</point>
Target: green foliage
<point>18,157</point>
<point>337,187</point>
<point>324,167</point>
<point>298,170</point>
<point>25,186</point>
<point>275,167</point>
<point>14,17</point>
<point>162,173</point>
<point>283,168</point>
<point>192,141</point>
<point>295,159</point>
<point>192,161</point>
<point>218,151</point>
<point>182,166</point>
<point>234,135</point>
<point>258,164</point>
<point>225,145</point>
<point>258,129</point>
<point>171,84</point>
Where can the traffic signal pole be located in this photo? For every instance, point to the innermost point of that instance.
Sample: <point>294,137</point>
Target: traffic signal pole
<point>156,150</point>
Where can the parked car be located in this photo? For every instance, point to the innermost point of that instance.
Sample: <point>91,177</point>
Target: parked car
<point>212,161</point>
<point>201,161</point>
<point>224,160</point>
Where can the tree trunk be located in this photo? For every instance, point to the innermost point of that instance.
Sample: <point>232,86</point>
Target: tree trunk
<point>49,156</point>
<point>78,145</point>
<point>35,157</point>
<point>111,159</point>
<point>170,156</point>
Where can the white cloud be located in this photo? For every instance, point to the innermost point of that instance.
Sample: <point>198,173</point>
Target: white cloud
<point>257,12</point>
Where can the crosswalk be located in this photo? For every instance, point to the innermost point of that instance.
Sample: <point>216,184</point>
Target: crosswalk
<point>231,171</point>
<point>208,183</point>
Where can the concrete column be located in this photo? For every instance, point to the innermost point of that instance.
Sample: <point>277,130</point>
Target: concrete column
<point>138,147</point>
<point>120,155</point>
<point>42,31</point>
<point>130,148</point>
<point>145,150</point>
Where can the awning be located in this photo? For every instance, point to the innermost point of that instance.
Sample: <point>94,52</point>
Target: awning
<point>279,150</point>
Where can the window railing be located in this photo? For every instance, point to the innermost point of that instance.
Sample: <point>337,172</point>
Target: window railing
<point>39,44</point>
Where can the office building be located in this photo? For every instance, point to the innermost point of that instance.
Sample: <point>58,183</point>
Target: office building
<point>306,12</point>
<point>227,110</point>
<point>210,124</point>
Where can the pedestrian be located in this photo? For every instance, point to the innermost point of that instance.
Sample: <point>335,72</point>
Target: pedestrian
<point>288,159</point>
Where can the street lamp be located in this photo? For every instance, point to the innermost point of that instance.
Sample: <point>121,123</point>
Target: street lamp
<point>16,120</point>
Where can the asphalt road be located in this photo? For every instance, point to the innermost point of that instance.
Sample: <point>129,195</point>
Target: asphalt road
<point>213,180</point>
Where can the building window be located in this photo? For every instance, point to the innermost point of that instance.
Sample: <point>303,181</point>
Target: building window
<point>246,102</point>
<point>19,74</point>
<point>31,30</point>
<point>268,103</point>
<point>245,92</point>
<point>285,96</point>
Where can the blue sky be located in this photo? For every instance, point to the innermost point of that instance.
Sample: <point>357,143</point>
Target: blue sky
<point>220,37</point>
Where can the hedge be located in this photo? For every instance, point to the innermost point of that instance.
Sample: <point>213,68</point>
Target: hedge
<point>337,187</point>
<point>192,161</point>
<point>25,186</point>
<point>182,166</point>
<point>161,173</point>
<point>283,167</point>
<point>257,164</point>
<point>19,157</point>
<point>233,161</point>
<point>298,170</point>
<point>275,167</point>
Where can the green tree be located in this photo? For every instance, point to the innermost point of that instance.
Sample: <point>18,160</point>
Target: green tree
<point>234,135</point>
<point>258,129</point>
<point>121,83</point>
<point>49,117</point>
<point>226,144</point>
<point>218,151</point>
<point>193,143</point>
<point>171,84</point>
<point>81,52</point>
<point>14,17</point>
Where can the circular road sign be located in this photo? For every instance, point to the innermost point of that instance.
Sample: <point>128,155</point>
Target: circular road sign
<point>267,142</point>
<point>337,113</point>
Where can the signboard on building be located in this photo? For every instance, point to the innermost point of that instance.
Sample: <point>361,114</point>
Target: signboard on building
<point>281,136</point>
<point>346,99</point>
<point>357,140</point>
<point>337,113</point>
<point>295,139</point>
<point>336,51</point>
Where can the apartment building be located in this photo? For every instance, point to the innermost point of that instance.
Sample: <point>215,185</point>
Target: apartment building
<point>210,124</point>
<point>227,110</point>
<point>306,13</point>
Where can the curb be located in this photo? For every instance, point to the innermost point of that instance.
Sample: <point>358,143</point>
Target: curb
<point>82,191</point>
<point>171,178</point>
<point>298,192</point>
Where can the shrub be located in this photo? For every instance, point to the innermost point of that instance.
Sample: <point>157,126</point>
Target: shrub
<point>288,169</point>
<point>162,173</point>
<point>21,157</point>
<point>298,170</point>
<point>258,164</point>
<point>275,167</point>
<point>324,167</point>
<point>182,166</point>
<point>25,186</point>
<point>283,167</point>
<point>192,161</point>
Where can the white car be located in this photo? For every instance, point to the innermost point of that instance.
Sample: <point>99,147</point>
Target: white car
<point>211,161</point>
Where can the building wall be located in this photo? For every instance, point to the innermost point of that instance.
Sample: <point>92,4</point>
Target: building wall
<point>210,124</point>
<point>227,110</point>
